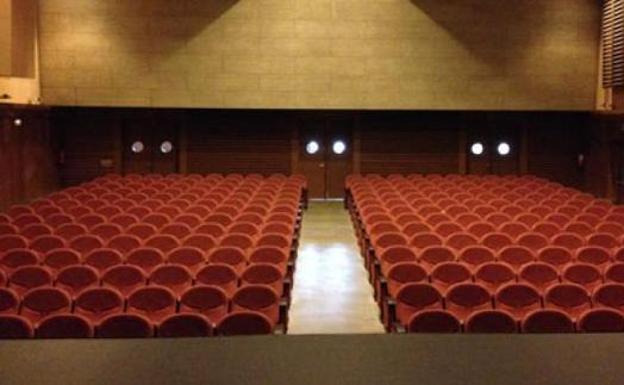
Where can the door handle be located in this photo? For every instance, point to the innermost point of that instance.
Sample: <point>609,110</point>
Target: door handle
<point>322,165</point>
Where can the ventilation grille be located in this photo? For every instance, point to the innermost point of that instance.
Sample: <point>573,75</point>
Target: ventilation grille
<point>613,44</point>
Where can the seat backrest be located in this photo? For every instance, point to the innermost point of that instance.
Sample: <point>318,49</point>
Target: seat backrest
<point>517,298</point>
<point>547,321</point>
<point>540,275</point>
<point>154,302</point>
<point>124,278</point>
<point>601,321</point>
<point>147,258</point>
<point>64,326</point>
<point>28,277</point>
<point>76,278</point>
<point>125,326</point>
<point>185,325</point>
<point>40,302</point>
<point>244,323</point>
<point>610,295</point>
<point>13,326</point>
<point>491,321</point>
<point>433,321</point>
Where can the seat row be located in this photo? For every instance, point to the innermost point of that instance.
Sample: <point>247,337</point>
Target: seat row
<point>124,325</point>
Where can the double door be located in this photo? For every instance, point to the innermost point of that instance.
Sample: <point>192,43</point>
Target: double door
<point>325,155</point>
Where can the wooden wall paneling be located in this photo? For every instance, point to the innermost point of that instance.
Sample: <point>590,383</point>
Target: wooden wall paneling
<point>409,143</point>
<point>137,127</point>
<point>338,166</point>
<point>505,128</point>
<point>166,126</point>
<point>239,142</point>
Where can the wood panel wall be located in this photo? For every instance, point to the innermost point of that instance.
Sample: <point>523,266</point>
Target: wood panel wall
<point>94,141</point>
<point>28,155</point>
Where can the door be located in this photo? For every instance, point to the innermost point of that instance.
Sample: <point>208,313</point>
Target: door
<point>493,151</point>
<point>325,155</point>
<point>150,145</point>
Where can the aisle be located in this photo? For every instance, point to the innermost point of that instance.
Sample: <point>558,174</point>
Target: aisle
<point>331,293</point>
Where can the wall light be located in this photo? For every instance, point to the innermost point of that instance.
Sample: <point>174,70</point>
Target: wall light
<point>339,147</point>
<point>17,122</point>
<point>312,147</point>
<point>503,148</point>
<point>476,148</point>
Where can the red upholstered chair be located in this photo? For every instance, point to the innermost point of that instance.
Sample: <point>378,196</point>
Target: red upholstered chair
<point>84,244</point>
<point>480,229</point>
<point>583,274</point>
<point>532,240</point>
<point>102,259</point>
<point>433,321</point>
<point>414,297</point>
<point>594,255</point>
<point>221,275</point>
<point>98,302</point>
<point>13,327</point>
<point>76,278</point>
<point>233,256</point>
<point>31,231</point>
<point>258,298</point>
<point>518,299</point>
<point>176,277</point>
<point>192,258</point>
<point>493,275</point>
<point>153,302</point>
<point>496,241</point>
<point>446,229</point>
<point>57,259</point>
<point>124,220</point>
<point>46,243</point>
<point>475,256</point>
<point>516,256</point>
<point>65,326</point>
<point>125,326</point>
<point>556,256</point>
<point>614,273</point>
<point>9,229</point>
<point>40,302</point>
<point>10,242</point>
<point>491,321</point>
<point>547,229</point>
<point>460,241</point>
<point>568,297</point>
<point>431,256</point>
<point>142,230</point>
<point>244,323</point>
<point>125,278</point>
<point>424,240</point>
<point>547,321</point>
<point>9,301</point>
<point>185,325</point>
<point>264,274</point>
<point>209,301</point>
<point>69,231</point>
<point>273,255</point>
<point>609,295</point>
<point>402,273</point>
<point>462,299</point>
<point>162,242</point>
<point>540,275</point>
<point>447,274</point>
<point>602,320</point>
<point>146,258</point>
<point>514,229</point>
<point>29,277</point>
<point>395,254</point>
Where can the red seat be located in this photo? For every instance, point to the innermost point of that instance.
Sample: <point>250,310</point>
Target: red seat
<point>610,295</point>
<point>258,298</point>
<point>162,242</point>
<point>9,301</point>
<point>264,274</point>
<point>125,278</point>
<point>516,256</point>
<point>209,301</point>
<point>514,229</point>
<point>395,254</point>
<point>29,277</point>
<point>568,297</point>
<point>424,240</point>
<point>614,273</point>
<point>475,256</point>
<point>84,244</point>
<point>221,275</point>
<point>583,274</point>
<point>601,321</point>
<point>447,274</point>
<point>414,297</point>
<point>540,275</point>
<point>491,321</point>
<point>57,259</point>
<point>431,256</point>
<point>125,326</point>
<point>76,278</point>
<point>31,231</point>
<point>433,321</point>
<point>244,323</point>
<point>496,241</point>
<point>402,273</point>
<point>273,255</point>
<point>191,257</point>
<point>232,256</point>
<point>15,327</point>
<point>518,299</point>
<point>594,255</point>
<point>460,241</point>
<point>142,230</point>
<point>98,302</point>
<point>69,231</point>
<point>547,321</point>
<point>493,275</point>
<point>10,242</point>
<point>146,258</point>
<point>40,302</point>
<point>185,325</point>
<point>532,240</point>
<point>556,256</point>
<point>153,302</point>
<point>462,299</point>
<point>176,277</point>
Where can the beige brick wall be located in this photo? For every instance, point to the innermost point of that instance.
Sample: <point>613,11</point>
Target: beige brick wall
<point>386,54</point>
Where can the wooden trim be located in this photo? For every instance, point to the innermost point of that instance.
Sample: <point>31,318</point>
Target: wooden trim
<point>524,151</point>
<point>183,149</point>
<point>462,164</point>
<point>294,150</point>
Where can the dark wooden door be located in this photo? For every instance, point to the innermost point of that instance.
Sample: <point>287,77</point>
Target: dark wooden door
<point>325,156</point>
<point>500,149</point>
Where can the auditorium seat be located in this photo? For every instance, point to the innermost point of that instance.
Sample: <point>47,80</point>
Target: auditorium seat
<point>15,327</point>
<point>125,326</point>
<point>103,258</point>
<point>433,321</point>
<point>147,258</point>
<point>462,299</point>
<point>64,326</point>
<point>491,321</point>
<point>221,275</point>
<point>244,323</point>
<point>153,302</point>
<point>518,299</point>
<point>185,325</point>
<point>29,277</point>
<point>584,274</point>
<point>493,275</point>
<point>9,301</point>
<point>447,274</point>
<point>609,295</point>
<point>40,302</point>
<point>402,273</point>
<point>547,321</point>
<point>540,275</point>
<point>125,278</point>
<point>176,277</point>
<point>229,255</point>
<point>258,298</point>
<point>414,297</point>
<point>601,320</point>
<point>57,259</point>
<point>210,301</point>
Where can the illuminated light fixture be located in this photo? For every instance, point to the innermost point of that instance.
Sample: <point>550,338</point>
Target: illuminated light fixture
<point>476,148</point>
<point>137,147</point>
<point>339,147</point>
<point>503,148</point>
<point>17,122</point>
<point>312,147</point>
<point>166,147</point>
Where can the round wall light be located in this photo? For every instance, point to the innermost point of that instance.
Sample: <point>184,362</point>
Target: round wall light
<point>503,148</point>
<point>137,147</point>
<point>312,147</point>
<point>476,148</point>
<point>339,147</point>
